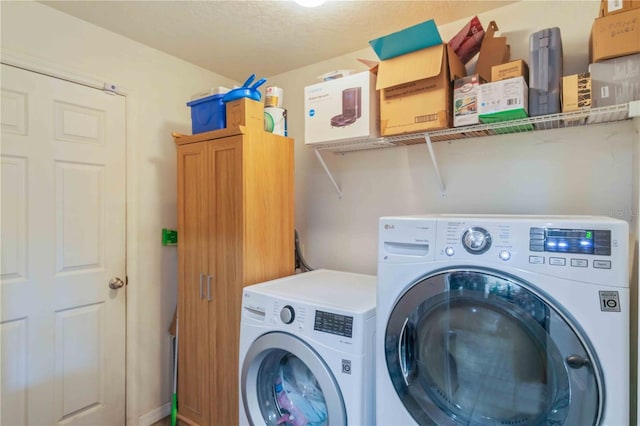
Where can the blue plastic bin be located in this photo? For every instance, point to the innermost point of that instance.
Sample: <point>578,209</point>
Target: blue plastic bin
<point>208,114</point>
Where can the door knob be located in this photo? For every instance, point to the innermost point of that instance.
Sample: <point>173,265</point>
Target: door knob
<point>116,283</point>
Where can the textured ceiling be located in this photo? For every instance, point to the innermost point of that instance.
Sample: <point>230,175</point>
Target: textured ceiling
<point>237,38</point>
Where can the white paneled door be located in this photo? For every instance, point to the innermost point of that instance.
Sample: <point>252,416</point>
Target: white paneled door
<point>62,326</point>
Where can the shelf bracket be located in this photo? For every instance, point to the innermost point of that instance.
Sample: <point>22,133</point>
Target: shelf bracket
<point>427,139</point>
<point>634,109</point>
<point>326,169</point>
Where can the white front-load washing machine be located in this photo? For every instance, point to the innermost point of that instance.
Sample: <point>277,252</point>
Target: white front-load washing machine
<point>502,320</point>
<point>307,350</point>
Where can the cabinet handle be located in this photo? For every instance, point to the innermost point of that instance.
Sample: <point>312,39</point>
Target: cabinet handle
<point>209,277</point>
<point>201,277</point>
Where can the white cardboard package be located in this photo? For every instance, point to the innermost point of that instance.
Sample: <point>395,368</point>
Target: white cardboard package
<point>343,109</point>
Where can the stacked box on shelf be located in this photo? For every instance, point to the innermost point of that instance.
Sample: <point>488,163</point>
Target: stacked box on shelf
<point>616,81</point>
<point>465,100</point>
<point>610,7</point>
<point>494,51</point>
<point>245,112</point>
<point>615,35</point>
<point>576,92</point>
<point>517,68</point>
<point>342,109</point>
<point>504,100</point>
<point>576,95</point>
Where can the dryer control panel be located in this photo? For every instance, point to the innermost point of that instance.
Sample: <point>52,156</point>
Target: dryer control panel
<point>326,326</point>
<point>329,322</point>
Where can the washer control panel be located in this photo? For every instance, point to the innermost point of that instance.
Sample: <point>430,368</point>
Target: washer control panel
<point>476,240</point>
<point>582,248</point>
<point>572,247</point>
<point>574,241</point>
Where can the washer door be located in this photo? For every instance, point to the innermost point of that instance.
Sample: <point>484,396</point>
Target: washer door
<point>285,382</point>
<point>474,347</point>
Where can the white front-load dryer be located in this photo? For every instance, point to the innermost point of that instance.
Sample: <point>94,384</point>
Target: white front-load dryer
<point>307,350</point>
<point>502,320</point>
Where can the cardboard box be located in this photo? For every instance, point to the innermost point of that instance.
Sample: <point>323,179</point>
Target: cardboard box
<point>609,7</point>
<point>615,35</point>
<point>513,69</point>
<point>245,112</point>
<point>504,100</point>
<point>342,109</point>
<point>494,51</point>
<point>416,90</point>
<point>576,92</point>
<point>465,100</point>
<point>615,81</point>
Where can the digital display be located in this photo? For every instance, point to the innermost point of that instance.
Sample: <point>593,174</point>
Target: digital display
<point>329,322</point>
<point>579,241</point>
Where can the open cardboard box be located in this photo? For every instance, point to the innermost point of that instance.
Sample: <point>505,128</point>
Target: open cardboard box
<point>494,51</point>
<point>416,89</point>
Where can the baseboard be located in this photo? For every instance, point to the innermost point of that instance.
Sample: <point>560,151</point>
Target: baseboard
<point>154,415</point>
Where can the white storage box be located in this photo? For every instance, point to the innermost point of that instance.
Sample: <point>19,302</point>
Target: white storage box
<point>465,100</point>
<point>342,109</point>
<point>615,81</point>
<point>503,100</point>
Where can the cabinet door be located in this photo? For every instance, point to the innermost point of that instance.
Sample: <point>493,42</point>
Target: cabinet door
<point>268,208</point>
<point>193,320</point>
<point>225,261</point>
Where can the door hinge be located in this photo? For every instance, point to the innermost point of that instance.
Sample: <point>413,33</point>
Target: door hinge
<point>110,88</point>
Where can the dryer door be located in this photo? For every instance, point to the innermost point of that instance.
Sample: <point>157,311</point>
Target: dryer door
<point>285,381</point>
<point>474,347</point>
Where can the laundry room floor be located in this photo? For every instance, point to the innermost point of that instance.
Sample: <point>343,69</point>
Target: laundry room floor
<point>165,422</point>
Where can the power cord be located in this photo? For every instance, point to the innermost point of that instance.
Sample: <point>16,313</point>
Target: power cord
<point>301,264</point>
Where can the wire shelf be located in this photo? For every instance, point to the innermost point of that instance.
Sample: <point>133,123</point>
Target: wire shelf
<point>530,124</point>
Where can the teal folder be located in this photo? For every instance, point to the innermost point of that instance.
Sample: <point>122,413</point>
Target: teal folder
<point>417,37</point>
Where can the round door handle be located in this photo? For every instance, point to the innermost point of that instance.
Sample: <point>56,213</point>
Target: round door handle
<point>577,361</point>
<point>116,283</point>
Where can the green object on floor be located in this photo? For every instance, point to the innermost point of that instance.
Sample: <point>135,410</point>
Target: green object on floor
<point>174,397</point>
<point>174,410</point>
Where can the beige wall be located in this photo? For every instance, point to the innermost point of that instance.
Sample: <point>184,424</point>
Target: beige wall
<point>157,87</point>
<point>580,170</point>
<point>585,170</point>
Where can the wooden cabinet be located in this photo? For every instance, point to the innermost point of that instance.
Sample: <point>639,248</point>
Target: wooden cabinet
<point>235,228</point>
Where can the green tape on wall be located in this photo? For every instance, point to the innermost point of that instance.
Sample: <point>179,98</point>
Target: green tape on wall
<point>169,237</point>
